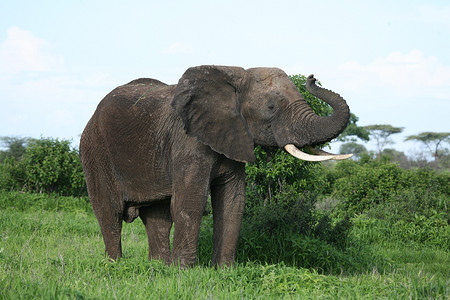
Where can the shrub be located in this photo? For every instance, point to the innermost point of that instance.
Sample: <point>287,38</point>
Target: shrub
<point>367,186</point>
<point>410,206</point>
<point>11,175</point>
<point>49,166</point>
<point>281,197</point>
<point>276,173</point>
<point>289,211</point>
<point>294,212</point>
<point>293,249</point>
<point>410,202</point>
<point>433,232</point>
<point>384,188</point>
<point>430,180</point>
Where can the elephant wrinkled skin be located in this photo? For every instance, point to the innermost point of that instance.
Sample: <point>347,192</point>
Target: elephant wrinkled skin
<point>157,151</point>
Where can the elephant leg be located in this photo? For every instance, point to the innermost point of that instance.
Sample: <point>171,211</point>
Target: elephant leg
<point>158,222</point>
<point>189,196</point>
<point>112,237</point>
<point>227,201</point>
<point>110,221</point>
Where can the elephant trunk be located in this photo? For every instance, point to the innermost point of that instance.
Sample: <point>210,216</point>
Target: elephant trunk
<point>329,127</point>
<point>309,129</point>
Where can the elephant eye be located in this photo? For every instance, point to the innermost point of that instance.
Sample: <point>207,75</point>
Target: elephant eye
<point>271,106</point>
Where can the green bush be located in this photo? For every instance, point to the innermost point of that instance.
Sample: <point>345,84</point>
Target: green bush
<point>276,243</point>
<point>295,212</point>
<point>49,166</point>
<point>290,211</point>
<point>11,175</point>
<point>293,249</point>
<point>432,232</point>
<point>368,185</point>
<point>276,173</point>
<point>410,202</point>
<point>410,206</point>
<point>430,180</point>
<point>291,230</point>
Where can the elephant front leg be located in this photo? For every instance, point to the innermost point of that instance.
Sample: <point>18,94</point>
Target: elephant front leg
<point>227,201</point>
<point>189,197</point>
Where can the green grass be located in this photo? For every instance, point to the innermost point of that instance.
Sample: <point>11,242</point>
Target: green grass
<point>51,248</point>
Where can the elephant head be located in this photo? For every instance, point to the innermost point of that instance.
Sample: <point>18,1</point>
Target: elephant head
<point>232,110</point>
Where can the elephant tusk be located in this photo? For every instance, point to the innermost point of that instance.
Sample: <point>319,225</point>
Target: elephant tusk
<point>294,151</point>
<point>321,152</point>
<point>320,155</point>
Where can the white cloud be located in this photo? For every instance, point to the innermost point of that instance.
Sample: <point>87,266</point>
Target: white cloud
<point>178,48</point>
<point>410,69</point>
<point>410,73</point>
<point>40,94</point>
<point>24,52</point>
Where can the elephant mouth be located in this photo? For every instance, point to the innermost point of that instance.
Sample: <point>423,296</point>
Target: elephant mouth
<point>317,154</point>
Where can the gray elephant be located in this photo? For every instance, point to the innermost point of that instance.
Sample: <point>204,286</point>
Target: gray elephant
<point>157,151</point>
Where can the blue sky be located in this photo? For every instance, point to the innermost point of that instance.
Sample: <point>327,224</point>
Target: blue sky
<point>389,59</point>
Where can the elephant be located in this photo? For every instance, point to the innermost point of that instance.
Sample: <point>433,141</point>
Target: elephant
<point>158,151</point>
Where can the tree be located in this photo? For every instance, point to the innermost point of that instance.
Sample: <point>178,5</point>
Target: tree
<point>352,147</point>
<point>354,132</point>
<point>432,140</point>
<point>15,146</point>
<point>381,134</point>
<point>398,157</point>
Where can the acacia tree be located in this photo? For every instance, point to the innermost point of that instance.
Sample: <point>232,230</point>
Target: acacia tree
<point>353,132</point>
<point>15,147</point>
<point>381,134</point>
<point>350,137</point>
<point>432,140</point>
<point>352,147</point>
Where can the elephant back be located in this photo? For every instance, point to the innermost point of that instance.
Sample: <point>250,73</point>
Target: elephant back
<point>147,81</point>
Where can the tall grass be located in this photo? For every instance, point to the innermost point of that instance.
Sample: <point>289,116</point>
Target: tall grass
<point>51,248</point>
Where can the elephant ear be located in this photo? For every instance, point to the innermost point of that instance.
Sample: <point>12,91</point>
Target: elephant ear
<point>207,101</point>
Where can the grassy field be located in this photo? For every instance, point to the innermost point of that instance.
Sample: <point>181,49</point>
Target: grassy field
<point>51,248</point>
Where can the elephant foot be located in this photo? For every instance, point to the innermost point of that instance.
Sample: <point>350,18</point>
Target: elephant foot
<point>182,262</point>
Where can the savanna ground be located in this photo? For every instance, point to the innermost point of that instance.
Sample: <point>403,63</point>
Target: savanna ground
<point>51,248</point>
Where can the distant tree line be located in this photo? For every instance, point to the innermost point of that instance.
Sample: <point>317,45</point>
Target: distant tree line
<point>435,143</point>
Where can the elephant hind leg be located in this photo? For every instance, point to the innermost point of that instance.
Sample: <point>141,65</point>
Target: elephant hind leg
<point>112,237</point>
<point>109,209</point>
<point>103,189</point>
<point>111,228</point>
<point>158,222</point>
